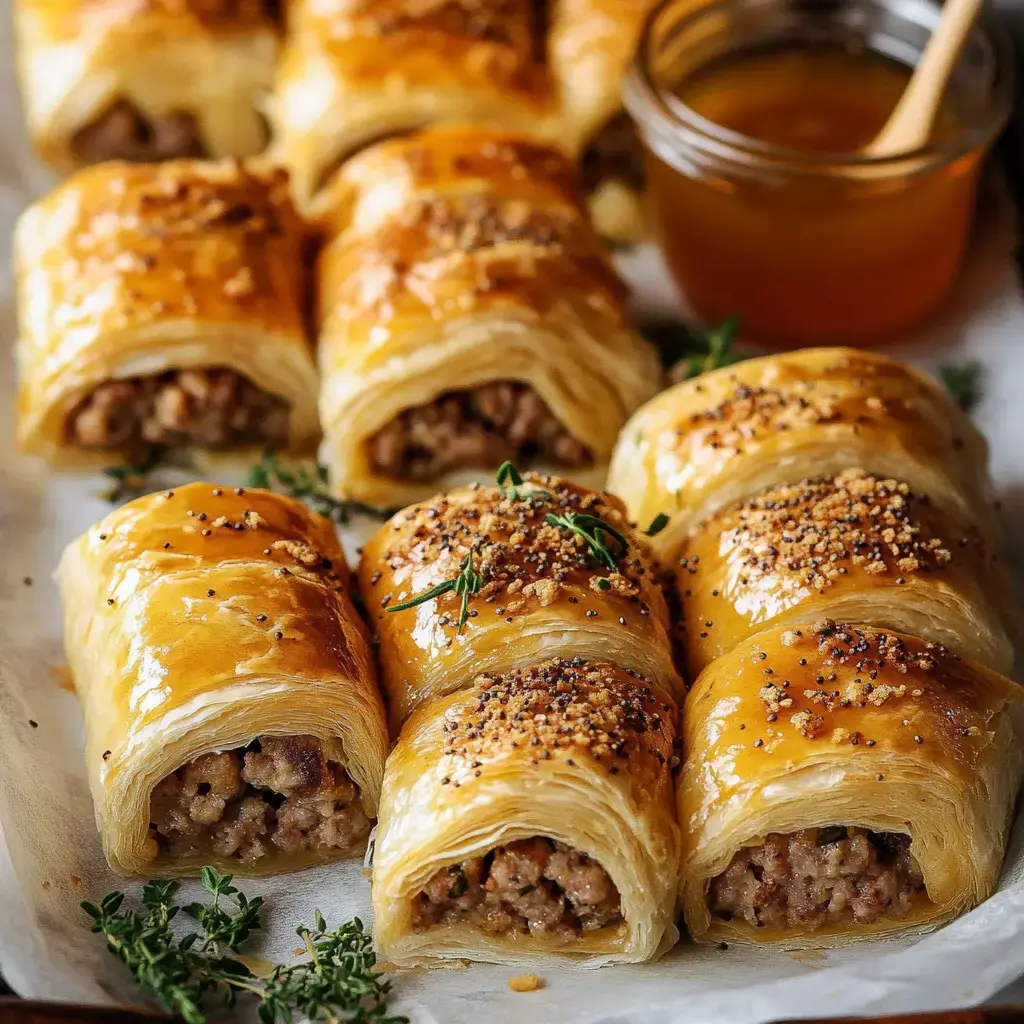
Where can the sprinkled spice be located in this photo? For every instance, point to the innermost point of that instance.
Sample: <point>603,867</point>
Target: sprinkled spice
<point>278,635</point>
<point>106,754</point>
<point>261,618</point>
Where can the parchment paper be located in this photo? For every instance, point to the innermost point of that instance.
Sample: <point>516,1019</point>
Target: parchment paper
<point>52,859</point>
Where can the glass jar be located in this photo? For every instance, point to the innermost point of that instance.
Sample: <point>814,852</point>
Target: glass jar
<point>810,247</point>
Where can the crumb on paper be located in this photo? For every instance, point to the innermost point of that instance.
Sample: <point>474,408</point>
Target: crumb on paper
<point>525,983</point>
<point>62,676</point>
<point>46,885</point>
<point>298,951</point>
<point>76,881</point>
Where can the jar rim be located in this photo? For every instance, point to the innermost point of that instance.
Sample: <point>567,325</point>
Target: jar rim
<point>666,122</point>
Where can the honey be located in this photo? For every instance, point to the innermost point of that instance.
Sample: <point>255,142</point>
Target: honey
<point>765,206</point>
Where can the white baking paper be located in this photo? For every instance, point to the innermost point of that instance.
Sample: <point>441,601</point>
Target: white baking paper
<point>51,860</point>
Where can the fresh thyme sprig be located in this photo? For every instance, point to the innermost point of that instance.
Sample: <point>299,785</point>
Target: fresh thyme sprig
<point>658,523</point>
<point>310,487</point>
<point>593,531</point>
<point>697,351</point>
<point>508,474</point>
<point>963,382</point>
<point>337,983</point>
<point>131,480</point>
<point>467,583</point>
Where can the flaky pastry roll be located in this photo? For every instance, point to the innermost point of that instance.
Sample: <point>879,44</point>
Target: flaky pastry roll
<point>529,818</point>
<point>163,304</point>
<point>468,314</point>
<point>356,71</point>
<point>533,587</point>
<point>144,79</point>
<point>724,436</point>
<point>232,715</point>
<point>856,547</point>
<point>590,46</point>
<point>843,782</point>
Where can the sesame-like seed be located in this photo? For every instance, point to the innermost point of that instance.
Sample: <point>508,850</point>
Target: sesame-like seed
<point>261,618</point>
<point>217,492</point>
<point>103,536</point>
<point>201,517</point>
<point>210,593</point>
<point>207,532</point>
<point>110,600</point>
<point>167,544</point>
<point>279,635</point>
<point>918,739</point>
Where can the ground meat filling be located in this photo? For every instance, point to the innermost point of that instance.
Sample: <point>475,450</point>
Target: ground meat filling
<point>214,408</point>
<point>278,795</point>
<point>529,887</point>
<point>474,427</point>
<point>614,152</point>
<point>820,877</point>
<point>122,133</point>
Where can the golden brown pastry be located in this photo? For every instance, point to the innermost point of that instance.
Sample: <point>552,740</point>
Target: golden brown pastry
<point>162,304</point>
<point>840,783</point>
<point>468,314</point>
<point>727,435</point>
<point>529,818</point>
<point>144,79</point>
<point>532,589</point>
<point>232,715</point>
<point>857,547</point>
<point>590,47</point>
<point>357,71</point>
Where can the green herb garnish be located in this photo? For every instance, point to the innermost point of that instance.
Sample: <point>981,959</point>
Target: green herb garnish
<point>309,486</point>
<point>698,351</point>
<point>508,474</point>
<point>658,523</point>
<point>963,382</point>
<point>593,531</point>
<point>131,480</point>
<point>466,584</point>
<point>336,983</point>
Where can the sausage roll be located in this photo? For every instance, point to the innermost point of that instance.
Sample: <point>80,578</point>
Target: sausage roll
<point>530,817</point>
<point>468,314</point>
<point>163,304</point>
<point>144,79</point>
<point>590,46</point>
<point>487,578</point>
<point>356,71</point>
<point>853,546</point>
<point>726,435</point>
<point>842,782</point>
<point>232,715</point>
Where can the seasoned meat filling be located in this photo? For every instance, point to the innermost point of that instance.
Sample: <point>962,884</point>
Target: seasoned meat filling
<point>122,133</point>
<point>278,795</point>
<point>216,408</point>
<point>819,877</point>
<point>530,887</point>
<point>480,426</point>
<point>614,152</point>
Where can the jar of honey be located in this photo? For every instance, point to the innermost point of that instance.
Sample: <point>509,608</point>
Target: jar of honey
<point>754,114</point>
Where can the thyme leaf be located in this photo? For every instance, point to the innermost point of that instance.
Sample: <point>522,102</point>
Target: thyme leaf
<point>132,480</point>
<point>963,382</point>
<point>310,487</point>
<point>698,351</point>
<point>592,530</point>
<point>467,583</point>
<point>658,523</point>
<point>508,474</point>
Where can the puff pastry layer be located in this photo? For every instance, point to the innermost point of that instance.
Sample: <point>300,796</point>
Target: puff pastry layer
<point>197,621</point>
<point>541,591</point>
<point>856,547</point>
<point>144,79</point>
<point>458,260</point>
<point>140,273</point>
<point>563,771</point>
<point>356,71</point>
<point>725,436</point>
<point>822,726</point>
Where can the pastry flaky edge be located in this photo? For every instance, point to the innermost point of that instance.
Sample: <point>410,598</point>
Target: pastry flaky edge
<point>347,80</point>
<point>541,593</point>
<point>724,436</point>
<point>215,65</point>
<point>529,753</point>
<point>459,257</point>
<point>854,547</point>
<point>905,738</point>
<point>138,269</point>
<point>170,661</point>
